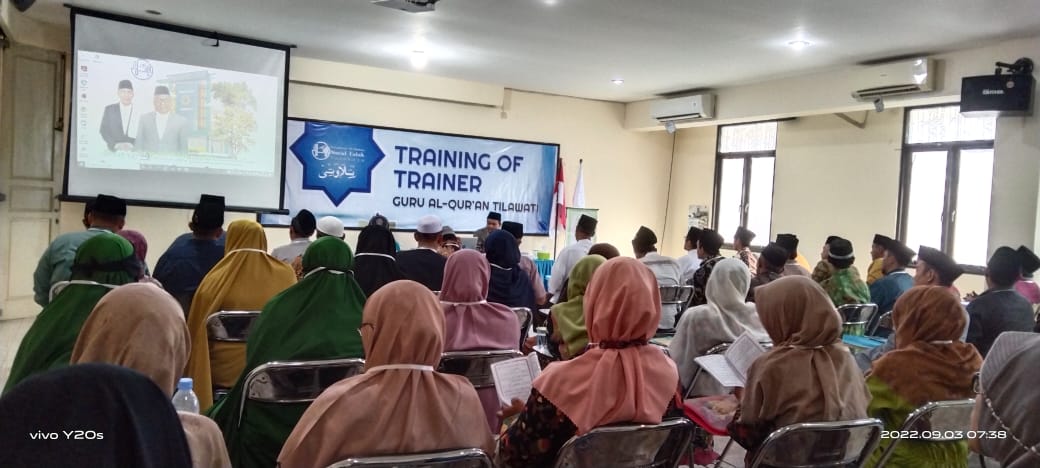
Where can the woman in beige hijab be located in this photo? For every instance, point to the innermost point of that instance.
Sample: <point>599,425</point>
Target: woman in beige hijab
<point>808,375</point>
<point>400,405</point>
<point>142,327</point>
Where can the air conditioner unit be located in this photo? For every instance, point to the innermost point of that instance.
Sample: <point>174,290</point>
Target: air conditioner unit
<point>894,79</point>
<point>411,6</point>
<point>686,108</point>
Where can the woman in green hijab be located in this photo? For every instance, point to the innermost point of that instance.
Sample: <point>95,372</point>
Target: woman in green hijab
<point>315,319</point>
<point>102,263</point>
<point>569,316</point>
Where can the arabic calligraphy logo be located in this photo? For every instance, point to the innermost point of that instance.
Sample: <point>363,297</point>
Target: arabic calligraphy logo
<point>321,151</point>
<point>141,69</point>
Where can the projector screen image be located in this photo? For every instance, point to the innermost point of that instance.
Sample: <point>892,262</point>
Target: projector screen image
<point>141,114</point>
<point>160,116</point>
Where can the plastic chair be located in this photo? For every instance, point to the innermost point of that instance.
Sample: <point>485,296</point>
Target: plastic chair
<point>475,366</point>
<point>523,315</point>
<point>463,458</point>
<point>938,421</point>
<point>855,317</point>
<point>231,326</point>
<point>820,444</point>
<point>628,446</point>
<point>676,297</point>
<point>295,381</point>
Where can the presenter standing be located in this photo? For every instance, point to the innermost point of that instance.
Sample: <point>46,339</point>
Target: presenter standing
<point>119,122</point>
<point>163,131</point>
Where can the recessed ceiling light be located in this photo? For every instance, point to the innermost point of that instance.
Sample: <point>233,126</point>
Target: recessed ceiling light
<point>617,81</point>
<point>153,12</point>
<point>419,59</point>
<point>799,44</point>
<point>549,2</point>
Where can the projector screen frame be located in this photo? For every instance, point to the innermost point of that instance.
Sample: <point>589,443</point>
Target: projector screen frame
<point>215,35</point>
<point>285,211</point>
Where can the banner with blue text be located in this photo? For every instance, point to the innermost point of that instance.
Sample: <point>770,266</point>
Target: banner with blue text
<point>355,171</point>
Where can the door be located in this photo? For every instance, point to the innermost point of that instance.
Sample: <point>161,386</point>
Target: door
<point>31,166</point>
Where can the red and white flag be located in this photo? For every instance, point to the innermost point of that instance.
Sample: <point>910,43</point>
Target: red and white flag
<point>560,197</point>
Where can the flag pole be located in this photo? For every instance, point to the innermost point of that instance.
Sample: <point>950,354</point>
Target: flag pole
<point>556,221</point>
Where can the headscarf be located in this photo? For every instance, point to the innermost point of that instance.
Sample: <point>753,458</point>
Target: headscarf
<point>929,362</point>
<point>570,316</point>
<point>140,246</point>
<point>245,279</point>
<point>1009,382</point>
<point>106,259</point>
<point>124,418</point>
<point>723,319</point>
<point>141,327</point>
<point>631,381</point>
<point>808,375</point>
<point>400,404</point>
<point>473,323</point>
<point>314,319</point>
<point>509,284</point>
<point>376,263</point>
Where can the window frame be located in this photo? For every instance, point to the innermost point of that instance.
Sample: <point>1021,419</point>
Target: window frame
<point>745,193</point>
<point>953,151</point>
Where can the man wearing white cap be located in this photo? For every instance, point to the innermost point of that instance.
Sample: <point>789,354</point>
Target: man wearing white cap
<point>330,226</point>
<point>424,264</point>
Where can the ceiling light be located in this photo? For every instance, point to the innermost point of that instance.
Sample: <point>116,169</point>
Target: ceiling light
<point>419,59</point>
<point>617,81</point>
<point>549,2</point>
<point>153,12</point>
<point>799,45</point>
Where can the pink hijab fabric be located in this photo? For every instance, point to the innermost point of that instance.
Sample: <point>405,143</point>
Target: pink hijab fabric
<point>400,405</point>
<point>620,378</point>
<point>473,323</point>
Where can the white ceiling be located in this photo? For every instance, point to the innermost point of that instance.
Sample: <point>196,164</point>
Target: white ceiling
<point>575,47</point>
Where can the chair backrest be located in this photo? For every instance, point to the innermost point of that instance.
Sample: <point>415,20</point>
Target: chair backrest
<point>463,458</point>
<point>820,444</point>
<point>628,446</point>
<point>884,321</point>
<point>296,381</point>
<point>523,315</point>
<point>855,317</point>
<point>231,325</point>
<point>475,365</point>
<point>938,421</point>
<point>676,294</point>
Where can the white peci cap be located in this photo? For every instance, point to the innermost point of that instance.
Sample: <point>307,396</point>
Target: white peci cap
<point>331,226</point>
<point>429,224</point>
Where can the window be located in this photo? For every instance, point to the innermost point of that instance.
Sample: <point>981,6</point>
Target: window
<point>946,182</point>
<point>744,179</point>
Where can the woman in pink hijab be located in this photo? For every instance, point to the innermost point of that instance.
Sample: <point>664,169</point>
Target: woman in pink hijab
<point>400,405</point>
<point>473,323</point>
<point>618,379</point>
<point>140,252</point>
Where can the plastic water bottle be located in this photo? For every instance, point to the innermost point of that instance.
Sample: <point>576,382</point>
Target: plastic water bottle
<point>185,399</point>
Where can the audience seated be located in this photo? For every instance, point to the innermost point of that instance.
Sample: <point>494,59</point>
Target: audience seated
<point>689,263</point>
<point>509,284</point>
<point>896,281</point>
<point>140,244</point>
<point>130,422</point>
<point>473,323</point>
<point>722,320</point>
<point>935,268</point>
<point>808,375</point>
<point>568,318</point>
<point>566,258</point>
<point>708,250</point>
<point>1008,400</point>
<point>141,327</point>
<point>400,404</point>
<point>619,379</point>
<point>1025,285</point>
<point>526,264</point>
<point>742,244</point>
<point>794,265</point>
<point>424,264</point>
<point>666,270</point>
<point>102,263</point>
<point>604,250</point>
<point>1000,308</point>
<point>844,286</point>
<point>314,319</point>
<point>877,258</point>
<point>450,242</point>
<point>375,264</point>
<point>245,279</point>
<point>771,265</point>
<point>301,228</point>
<point>181,268</point>
<point>929,363</point>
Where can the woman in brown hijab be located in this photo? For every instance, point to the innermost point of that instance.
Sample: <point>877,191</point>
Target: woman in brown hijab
<point>808,375</point>
<point>400,405</point>
<point>142,327</point>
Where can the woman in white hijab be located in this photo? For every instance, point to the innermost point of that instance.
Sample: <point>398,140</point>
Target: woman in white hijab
<point>723,319</point>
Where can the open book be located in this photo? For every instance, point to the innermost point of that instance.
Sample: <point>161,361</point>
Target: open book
<point>730,368</point>
<point>513,377</point>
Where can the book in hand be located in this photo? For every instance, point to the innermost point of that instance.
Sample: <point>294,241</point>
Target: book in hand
<point>513,377</point>
<point>730,368</point>
<point>713,413</point>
